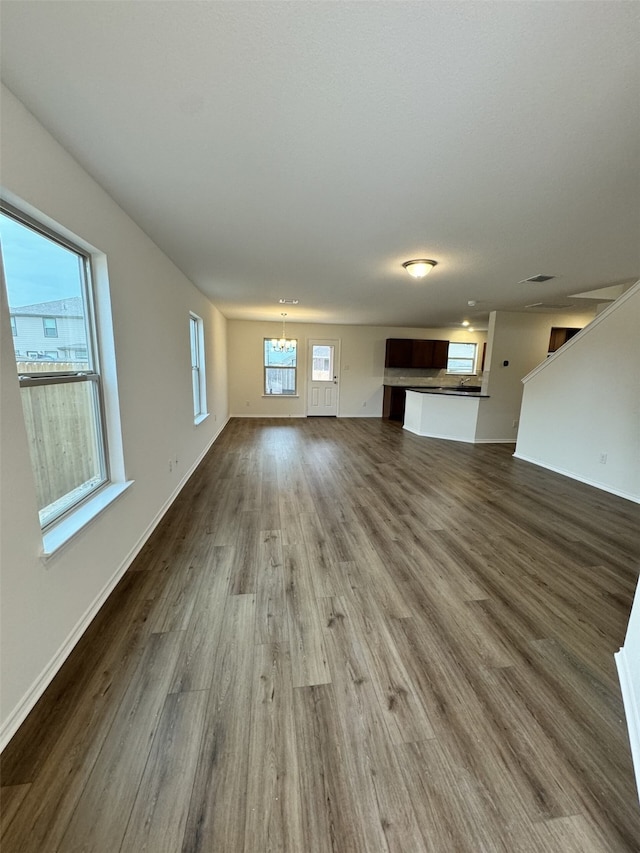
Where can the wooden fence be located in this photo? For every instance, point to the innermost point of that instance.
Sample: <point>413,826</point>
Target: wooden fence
<point>60,422</point>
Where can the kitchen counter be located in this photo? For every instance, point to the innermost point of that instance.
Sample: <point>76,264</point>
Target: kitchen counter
<point>410,382</point>
<point>448,392</point>
<point>393,402</point>
<point>441,413</point>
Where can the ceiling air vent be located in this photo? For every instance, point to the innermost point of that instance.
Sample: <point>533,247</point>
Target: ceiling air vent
<point>538,278</point>
<point>549,306</point>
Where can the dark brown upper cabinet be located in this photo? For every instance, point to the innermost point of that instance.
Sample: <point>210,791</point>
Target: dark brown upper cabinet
<point>398,352</point>
<point>560,335</point>
<point>410,352</point>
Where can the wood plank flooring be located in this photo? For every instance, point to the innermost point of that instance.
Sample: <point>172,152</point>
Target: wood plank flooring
<point>344,638</point>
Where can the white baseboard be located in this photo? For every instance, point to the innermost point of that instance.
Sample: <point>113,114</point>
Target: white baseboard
<point>285,417</point>
<point>271,417</point>
<point>631,700</point>
<point>462,439</point>
<point>573,476</point>
<point>26,704</point>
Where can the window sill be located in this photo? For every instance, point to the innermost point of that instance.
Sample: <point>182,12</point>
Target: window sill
<point>71,525</point>
<point>197,421</point>
<point>281,396</point>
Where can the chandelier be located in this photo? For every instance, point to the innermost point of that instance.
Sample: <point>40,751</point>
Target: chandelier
<point>283,344</point>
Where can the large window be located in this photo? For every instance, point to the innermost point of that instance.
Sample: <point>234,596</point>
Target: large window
<point>461,358</point>
<point>280,368</point>
<point>198,381</point>
<point>49,288</point>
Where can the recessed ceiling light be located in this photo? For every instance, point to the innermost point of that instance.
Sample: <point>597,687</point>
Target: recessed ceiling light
<point>537,278</point>
<point>465,322</point>
<point>288,301</point>
<point>471,303</point>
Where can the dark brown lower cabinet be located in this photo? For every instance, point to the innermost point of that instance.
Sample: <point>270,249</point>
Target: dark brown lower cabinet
<point>393,402</point>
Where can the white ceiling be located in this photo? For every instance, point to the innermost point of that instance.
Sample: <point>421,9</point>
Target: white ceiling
<point>305,149</point>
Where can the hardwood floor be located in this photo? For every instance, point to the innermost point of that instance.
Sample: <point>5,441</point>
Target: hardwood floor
<point>344,637</point>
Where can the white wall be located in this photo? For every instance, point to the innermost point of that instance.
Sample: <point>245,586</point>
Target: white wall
<point>46,604</point>
<point>523,341</point>
<point>628,663</point>
<point>585,401</point>
<point>361,373</point>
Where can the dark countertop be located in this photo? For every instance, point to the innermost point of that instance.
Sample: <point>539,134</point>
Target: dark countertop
<point>406,383</point>
<point>450,392</point>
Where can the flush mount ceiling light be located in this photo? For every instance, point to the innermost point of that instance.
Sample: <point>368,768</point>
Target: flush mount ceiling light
<point>288,301</point>
<point>465,322</point>
<point>283,344</point>
<point>419,267</point>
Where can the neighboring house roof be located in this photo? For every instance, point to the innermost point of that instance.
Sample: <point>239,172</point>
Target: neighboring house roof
<point>71,307</point>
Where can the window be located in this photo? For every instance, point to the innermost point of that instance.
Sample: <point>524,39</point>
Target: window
<point>461,358</point>
<point>322,363</point>
<point>14,328</point>
<point>50,327</point>
<point>198,382</point>
<point>280,368</point>
<point>49,278</point>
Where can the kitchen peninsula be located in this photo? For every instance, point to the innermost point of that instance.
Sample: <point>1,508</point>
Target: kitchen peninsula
<point>447,413</point>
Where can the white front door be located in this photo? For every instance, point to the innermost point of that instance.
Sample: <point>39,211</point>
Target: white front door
<point>323,377</point>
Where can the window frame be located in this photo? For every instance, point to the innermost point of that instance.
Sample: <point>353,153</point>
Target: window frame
<point>328,373</point>
<point>266,367</point>
<point>92,375</point>
<point>474,365</point>
<point>198,368</point>
<point>50,331</point>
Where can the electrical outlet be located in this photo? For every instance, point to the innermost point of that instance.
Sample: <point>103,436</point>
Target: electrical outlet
<point>603,458</point>
<point>364,405</point>
<point>515,423</point>
<point>247,402</point>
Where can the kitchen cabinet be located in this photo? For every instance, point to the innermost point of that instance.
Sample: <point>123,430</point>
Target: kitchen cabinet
<point>393,402</point>
<point>560,335</point>
<point>399,352</point>
<point>429,354</point>
<point>411,352</point>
